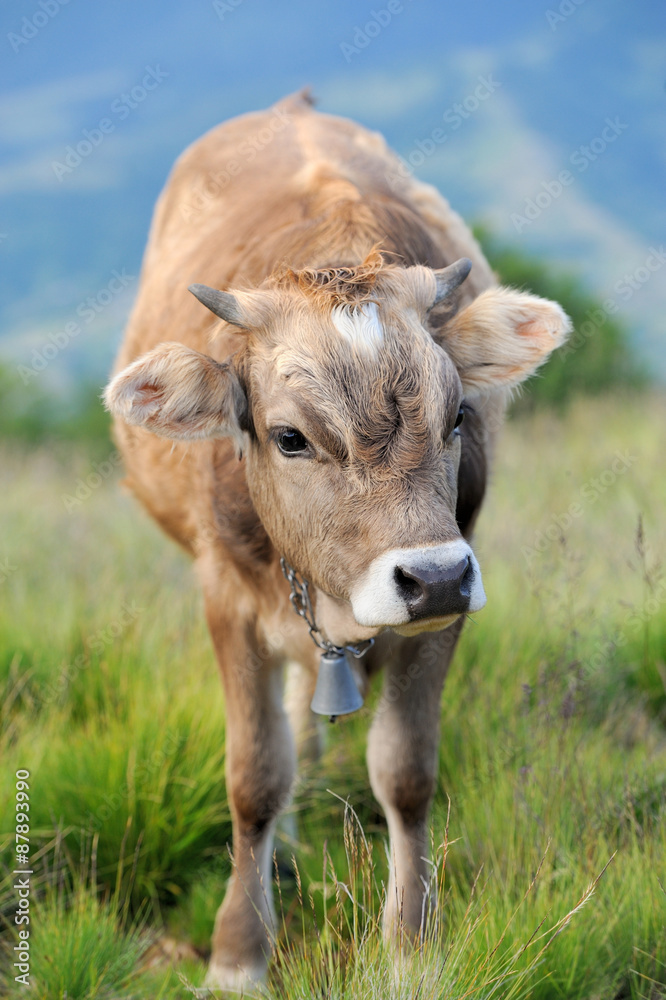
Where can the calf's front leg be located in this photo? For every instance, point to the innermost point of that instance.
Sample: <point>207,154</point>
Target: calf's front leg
<point>402,763</point>
<point>260,768</point>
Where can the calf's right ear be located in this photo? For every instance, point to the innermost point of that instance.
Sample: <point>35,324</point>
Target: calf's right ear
<point>179,393</point>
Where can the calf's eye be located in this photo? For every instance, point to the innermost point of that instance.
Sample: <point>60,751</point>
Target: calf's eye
<point>291,441</point>
<point>456,426</point>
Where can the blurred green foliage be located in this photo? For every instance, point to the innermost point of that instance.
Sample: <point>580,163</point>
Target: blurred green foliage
<point>598,356</point>
<point>31,415</point>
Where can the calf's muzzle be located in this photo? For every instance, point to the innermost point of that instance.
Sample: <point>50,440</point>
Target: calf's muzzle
<point>404,586</point>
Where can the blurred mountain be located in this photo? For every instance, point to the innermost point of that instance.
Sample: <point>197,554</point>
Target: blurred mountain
<point>545,124</point>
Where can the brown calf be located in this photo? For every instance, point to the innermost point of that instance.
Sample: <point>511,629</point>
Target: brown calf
<point>345,359</point>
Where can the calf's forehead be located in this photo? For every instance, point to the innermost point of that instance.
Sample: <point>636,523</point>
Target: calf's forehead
<point>317,371</point>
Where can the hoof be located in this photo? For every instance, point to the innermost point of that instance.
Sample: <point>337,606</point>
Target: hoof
<point>234,979</point>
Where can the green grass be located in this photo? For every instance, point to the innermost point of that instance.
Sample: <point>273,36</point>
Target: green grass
<point>80,949</point>
<point>553,751</point>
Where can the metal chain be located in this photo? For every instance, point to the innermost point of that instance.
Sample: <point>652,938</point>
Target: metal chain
<point>302,605</point>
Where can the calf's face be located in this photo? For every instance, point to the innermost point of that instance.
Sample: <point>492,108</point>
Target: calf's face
<point>351,417</point>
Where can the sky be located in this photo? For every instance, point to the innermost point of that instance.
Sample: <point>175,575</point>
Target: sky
<point>546,123</point>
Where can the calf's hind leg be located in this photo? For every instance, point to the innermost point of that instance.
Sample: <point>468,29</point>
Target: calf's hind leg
<point>260,767</point>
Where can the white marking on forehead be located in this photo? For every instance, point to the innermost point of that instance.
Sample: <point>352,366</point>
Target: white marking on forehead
<point>359,325</point>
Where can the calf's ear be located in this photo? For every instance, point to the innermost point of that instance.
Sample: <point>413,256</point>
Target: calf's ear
<point>179,393</point>
<point>502,337</point>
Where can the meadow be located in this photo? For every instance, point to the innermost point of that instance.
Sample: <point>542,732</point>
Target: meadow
<point>548,826</point>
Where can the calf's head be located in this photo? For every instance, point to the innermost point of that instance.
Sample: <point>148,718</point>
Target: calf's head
<point>350,411</point>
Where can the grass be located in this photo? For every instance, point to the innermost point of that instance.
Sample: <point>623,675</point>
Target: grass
<point>552,763</point>
<point>80,950</point>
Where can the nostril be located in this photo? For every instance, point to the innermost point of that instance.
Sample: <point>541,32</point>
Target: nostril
<point>407,585</point>
<point>467,579</point>
<point>431,589</point>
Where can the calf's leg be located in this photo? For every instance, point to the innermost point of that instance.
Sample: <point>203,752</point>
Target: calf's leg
<point>300,682</point>
<point>402,763</point>
<point>260,766</point>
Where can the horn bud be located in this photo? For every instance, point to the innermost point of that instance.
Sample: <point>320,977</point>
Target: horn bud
<point>224,305</point>
<point>451,277</point>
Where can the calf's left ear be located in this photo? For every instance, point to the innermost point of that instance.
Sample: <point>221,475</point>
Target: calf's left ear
<point>179,393</point>
<point>502,337</point>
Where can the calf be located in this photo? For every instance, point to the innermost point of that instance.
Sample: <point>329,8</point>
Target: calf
<point>337,413</point>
